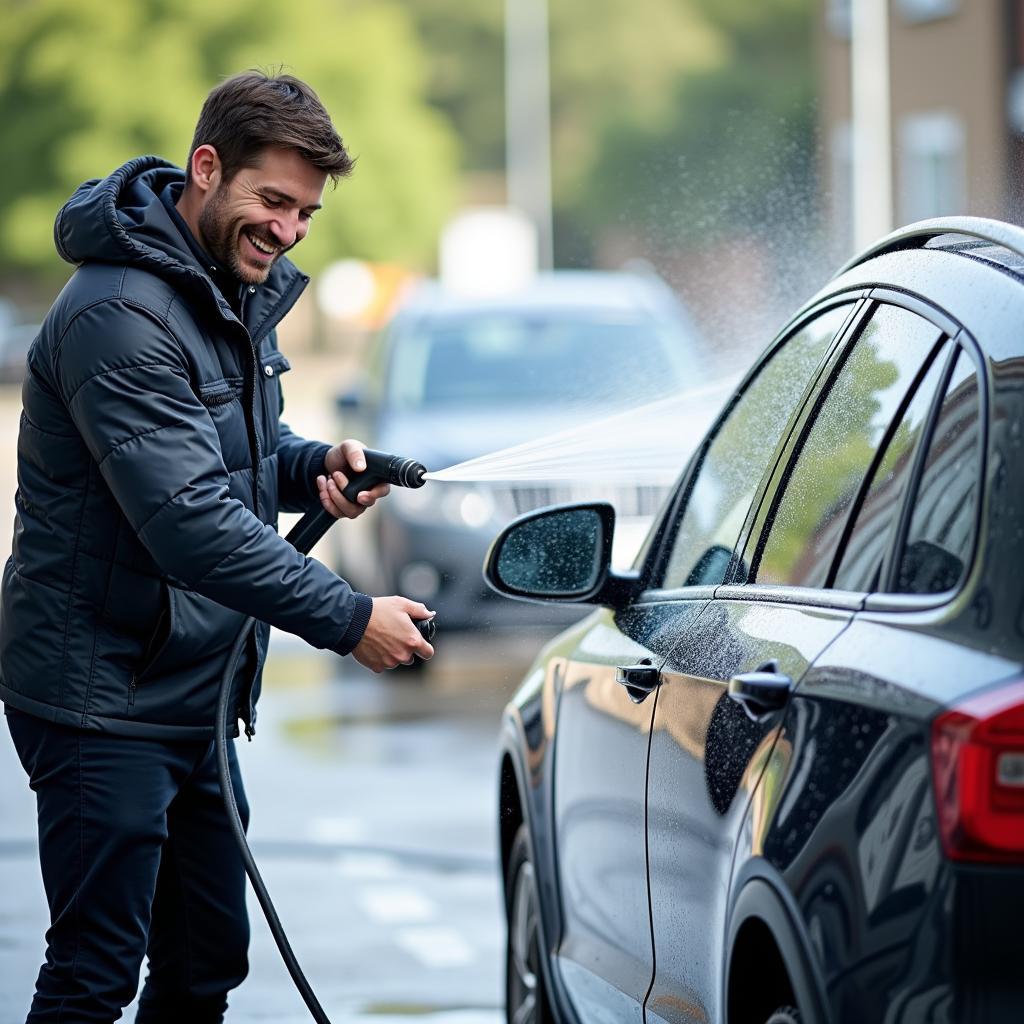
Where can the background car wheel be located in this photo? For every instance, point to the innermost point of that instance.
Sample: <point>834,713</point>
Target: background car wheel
<point>526,1001</point>
<point>785,1015</point>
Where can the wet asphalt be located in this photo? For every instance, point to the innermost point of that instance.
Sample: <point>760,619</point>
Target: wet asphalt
<point>373,821</point>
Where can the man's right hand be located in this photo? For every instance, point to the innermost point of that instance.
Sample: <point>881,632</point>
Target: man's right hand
<point>391,638</point>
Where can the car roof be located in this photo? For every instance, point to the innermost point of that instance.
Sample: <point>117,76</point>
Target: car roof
<point>968,270</point>
<point>595,292</point>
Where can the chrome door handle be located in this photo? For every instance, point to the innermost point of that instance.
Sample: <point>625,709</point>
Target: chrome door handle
<point>761,692</point>
<point>640,680</point>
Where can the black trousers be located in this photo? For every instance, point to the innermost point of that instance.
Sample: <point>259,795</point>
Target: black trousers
<point>137,860</point>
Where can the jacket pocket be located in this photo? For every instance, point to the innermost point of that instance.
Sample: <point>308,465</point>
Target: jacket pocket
<point>220,392</point>
<point>157,643</point>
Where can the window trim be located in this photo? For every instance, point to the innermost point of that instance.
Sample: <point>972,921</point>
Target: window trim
<point>656,562</point>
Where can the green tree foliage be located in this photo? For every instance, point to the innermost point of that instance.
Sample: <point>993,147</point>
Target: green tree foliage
<point>668,116</point>
<point>737,150</point>
<point>88,84</point>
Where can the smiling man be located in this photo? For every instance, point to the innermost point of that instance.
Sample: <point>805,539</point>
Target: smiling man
<point>152,463</point>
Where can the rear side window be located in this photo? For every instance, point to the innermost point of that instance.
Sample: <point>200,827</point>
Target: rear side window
<point>872,533</point>
<point>867,392</point>
<point>940,538</point>
<point>737,457</point>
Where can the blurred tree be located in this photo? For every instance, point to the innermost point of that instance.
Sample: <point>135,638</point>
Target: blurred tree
<point>736,152</point>
<point>88,84</point>
<point>606,58</point>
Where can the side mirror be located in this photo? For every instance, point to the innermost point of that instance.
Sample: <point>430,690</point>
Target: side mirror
<point>554,554</point>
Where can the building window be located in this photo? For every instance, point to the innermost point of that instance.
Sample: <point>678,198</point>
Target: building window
<point>926,10</point>
<point>931,166</point>
<point>837,17</point>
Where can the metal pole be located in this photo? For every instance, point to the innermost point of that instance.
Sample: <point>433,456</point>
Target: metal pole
<point>528,118</point>
<point>872,121</point>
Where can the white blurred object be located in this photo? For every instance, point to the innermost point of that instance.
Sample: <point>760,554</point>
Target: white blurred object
<point>488,250</point>
<point>346,289</point>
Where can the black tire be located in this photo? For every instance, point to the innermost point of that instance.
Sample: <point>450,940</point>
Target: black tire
<point>785,1015</point>
<point>526,998</point>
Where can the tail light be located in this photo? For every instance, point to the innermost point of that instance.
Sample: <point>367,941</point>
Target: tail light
<point>978,770</point>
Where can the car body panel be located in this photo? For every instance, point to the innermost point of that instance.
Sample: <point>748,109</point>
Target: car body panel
<point>706,758</point>
<point>599,822</point>
<point>849,823</point>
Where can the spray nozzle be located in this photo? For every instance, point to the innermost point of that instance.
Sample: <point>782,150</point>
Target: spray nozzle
<point>384,468</point>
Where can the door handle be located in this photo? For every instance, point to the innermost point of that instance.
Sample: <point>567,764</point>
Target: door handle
<point>761,692</point>
<point>640,680</point>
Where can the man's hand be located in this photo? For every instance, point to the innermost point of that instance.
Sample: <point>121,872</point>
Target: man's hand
<point>391,638</point>
<point>341,463</point>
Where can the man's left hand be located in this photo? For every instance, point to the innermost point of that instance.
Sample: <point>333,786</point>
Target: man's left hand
<point>341,463</point>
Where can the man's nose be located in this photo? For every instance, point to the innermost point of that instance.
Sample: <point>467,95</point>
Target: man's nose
<point>286,229</point>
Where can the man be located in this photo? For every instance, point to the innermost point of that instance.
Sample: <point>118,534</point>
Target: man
<point>151,467</point>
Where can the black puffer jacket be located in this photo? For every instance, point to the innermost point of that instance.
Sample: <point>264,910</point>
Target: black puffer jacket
<point>151,466</point>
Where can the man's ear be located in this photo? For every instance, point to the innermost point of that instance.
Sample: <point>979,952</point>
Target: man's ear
<point>205,168</point>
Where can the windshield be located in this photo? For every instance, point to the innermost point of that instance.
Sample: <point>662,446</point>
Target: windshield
<point>530,360</point>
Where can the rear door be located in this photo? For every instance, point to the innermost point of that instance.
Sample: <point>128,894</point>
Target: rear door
<point>710,747</point>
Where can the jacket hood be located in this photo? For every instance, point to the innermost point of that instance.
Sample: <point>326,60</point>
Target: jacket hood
<point>122,219</point>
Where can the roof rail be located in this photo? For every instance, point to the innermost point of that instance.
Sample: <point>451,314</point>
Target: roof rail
<point>1010,236</point>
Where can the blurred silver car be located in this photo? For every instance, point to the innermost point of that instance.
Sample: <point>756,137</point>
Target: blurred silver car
<point>455,377</point>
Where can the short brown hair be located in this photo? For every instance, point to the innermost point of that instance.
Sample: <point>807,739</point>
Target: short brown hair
<point>253,110</point>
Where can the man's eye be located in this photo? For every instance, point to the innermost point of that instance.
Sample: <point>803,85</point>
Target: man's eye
<point>307,217</point>
<point>272,203</point>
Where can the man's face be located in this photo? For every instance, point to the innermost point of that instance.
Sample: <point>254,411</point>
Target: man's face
<point>248,222</point>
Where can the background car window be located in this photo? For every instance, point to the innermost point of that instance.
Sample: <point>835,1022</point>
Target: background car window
<point>516,359</point>
<point>876,522</point>
<point>850,424</point>
<point>734,463</point>
<point>941,534</point>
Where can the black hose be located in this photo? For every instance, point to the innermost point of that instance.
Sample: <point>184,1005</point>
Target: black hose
<point>309,529</point>
<point>303,537</point>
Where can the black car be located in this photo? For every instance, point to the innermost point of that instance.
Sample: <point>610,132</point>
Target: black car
<point>778,774</point>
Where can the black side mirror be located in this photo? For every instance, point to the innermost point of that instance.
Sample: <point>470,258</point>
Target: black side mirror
<point>554,554</point>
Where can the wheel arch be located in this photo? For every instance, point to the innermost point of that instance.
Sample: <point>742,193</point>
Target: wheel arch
<point>765,936</point>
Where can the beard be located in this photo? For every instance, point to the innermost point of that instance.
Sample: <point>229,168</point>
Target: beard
<point>221,235</point>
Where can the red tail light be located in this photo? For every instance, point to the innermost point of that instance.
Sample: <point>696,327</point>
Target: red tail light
<point>978,770</point>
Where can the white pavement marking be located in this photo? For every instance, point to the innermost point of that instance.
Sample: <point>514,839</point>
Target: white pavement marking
<point>436,947</point>
<point>367,866</point>
<point>337,830</point>
<point>396,905</point>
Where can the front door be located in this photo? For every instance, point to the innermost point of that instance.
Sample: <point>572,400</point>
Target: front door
<point>605,956</point>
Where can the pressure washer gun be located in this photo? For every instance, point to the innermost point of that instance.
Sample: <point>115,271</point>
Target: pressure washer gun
<point>381,468</point>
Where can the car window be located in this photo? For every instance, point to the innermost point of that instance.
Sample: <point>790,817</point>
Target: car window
<point>866,393</point>
<point>941,534</point>
<point>738,455</point>
<point>876,521</point>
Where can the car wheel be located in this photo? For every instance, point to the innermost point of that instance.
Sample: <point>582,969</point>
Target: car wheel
<point>526,1001</point>
<point>785,1015</point>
